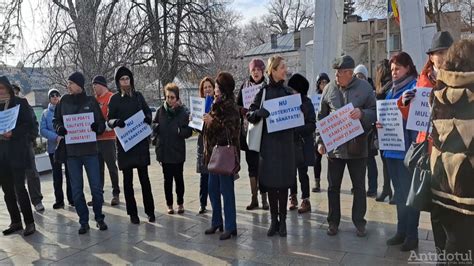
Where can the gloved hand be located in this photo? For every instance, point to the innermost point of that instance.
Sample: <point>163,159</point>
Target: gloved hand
<point>61,131</point>
<point>119,123</point>
<point>262,112</point>
<point>94,127</point>
<point>407,96</point>
<point>302,108</point>
<point>147,120</point>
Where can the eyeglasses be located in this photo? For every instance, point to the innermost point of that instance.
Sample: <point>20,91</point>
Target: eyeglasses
<point>125,78</point>
<point>53,95</point>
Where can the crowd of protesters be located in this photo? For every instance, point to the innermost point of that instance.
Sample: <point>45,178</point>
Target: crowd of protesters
<point>283,156</point>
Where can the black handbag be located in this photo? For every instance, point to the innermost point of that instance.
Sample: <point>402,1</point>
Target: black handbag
<point>417,160</point>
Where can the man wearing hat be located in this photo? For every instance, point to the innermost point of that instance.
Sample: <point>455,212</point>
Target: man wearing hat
<point>339,92</point>
<point>106,141</point>
<point>81,155</point>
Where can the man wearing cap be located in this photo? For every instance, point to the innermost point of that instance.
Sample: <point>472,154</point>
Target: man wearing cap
<point>82,154</point>
<point>106,141</point>
<point>47,131</point>
<point>343,90</point>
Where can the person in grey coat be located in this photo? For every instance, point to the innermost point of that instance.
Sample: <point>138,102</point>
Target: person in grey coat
<point>338,93</point>
<point>277,166</point>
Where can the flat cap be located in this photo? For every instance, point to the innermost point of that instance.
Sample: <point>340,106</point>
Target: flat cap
<point>343,62</point>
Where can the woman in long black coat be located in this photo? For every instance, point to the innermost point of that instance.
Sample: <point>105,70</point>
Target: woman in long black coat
<point>277,167</point>
<point>124,104</point>
<point>14,160</point>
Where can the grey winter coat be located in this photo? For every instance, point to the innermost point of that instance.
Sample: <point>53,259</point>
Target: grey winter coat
<point>360,94</point>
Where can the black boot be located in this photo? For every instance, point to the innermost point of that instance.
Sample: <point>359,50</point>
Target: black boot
<point>13,228</point>
<point>274,226</point>
<point>213,229</point>
<point>384,195</point>
<point>29,229</point>
<point>282,228</point>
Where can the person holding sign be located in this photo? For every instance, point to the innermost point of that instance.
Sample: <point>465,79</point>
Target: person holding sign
<point>254,84</point>
<point>170,127</point>
<point>304,143</point>
<point>321,81</point>
<point>404,78</point>
<point>14,145</point>
<point>123,105</point>
<point>75,106</point>
<point>277,166</point>
<point>222,128</point>
<point>338,94</point>
<point>206,90</point>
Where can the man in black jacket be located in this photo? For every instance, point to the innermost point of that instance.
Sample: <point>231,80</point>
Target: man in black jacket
<point>82,154</point>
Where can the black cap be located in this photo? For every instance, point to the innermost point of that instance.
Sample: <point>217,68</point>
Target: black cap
<point>343,62</point>
<point>299,83</point>
<point>441,40</point>
<point>100,80</point>
<point>77,78</point>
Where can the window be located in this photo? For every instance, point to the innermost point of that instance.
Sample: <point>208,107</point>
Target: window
<point>394,42</point>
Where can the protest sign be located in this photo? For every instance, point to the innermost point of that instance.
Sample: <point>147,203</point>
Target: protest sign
<point>285,113</point>
<point>419,115</point>
<point>316,100</point>
<point>79,128</point>
<point>338,128</point>
<point>135,130</point>
<point>8,119</point>
<point>248,95</point>
<point>197,112</point>
<point>391,135</point>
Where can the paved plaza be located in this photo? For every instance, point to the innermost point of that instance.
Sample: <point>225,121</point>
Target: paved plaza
<point>180,239</point>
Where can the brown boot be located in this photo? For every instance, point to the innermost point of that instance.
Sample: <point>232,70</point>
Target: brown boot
<point>253,187</point>
<point>264,201</point>
<point>305,206</point>
<point>293,202</point>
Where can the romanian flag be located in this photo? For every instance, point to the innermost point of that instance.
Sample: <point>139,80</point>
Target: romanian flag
<point>393,8</point>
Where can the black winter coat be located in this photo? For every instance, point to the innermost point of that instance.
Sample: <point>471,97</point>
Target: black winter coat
<point>304,135</point>
<point>277,166</point>
<point>76,104</point>
<point>171,132</point>
<point>14,152</point>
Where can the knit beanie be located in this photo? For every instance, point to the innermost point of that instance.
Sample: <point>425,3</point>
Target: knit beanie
<point>78,78</point>
<point>101,80</point>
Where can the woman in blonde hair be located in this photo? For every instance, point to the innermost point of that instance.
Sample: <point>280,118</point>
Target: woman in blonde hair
<point>277,167</point>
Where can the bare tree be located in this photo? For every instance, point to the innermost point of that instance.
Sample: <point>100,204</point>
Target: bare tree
<point>10,26</point>
<point>285,15</point>
<point>254,34</point>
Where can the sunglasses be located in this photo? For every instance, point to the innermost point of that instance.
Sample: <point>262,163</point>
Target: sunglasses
<point>52,95</point>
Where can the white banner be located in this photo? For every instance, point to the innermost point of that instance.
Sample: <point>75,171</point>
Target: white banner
<point>8,119</point>
<point>316,100</point>
<point>79,128</point>
<point>338,128</point>
<point>248,95</point>
<point>285,113</point>
<point>391,135</point>
<point>419,115</point>
<point>197,112</point>
<point>135,130</point>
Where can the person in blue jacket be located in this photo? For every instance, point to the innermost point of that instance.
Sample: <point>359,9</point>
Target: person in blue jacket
<point>47,131</point>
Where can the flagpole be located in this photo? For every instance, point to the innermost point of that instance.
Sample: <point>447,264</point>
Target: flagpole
<point>388,35</point>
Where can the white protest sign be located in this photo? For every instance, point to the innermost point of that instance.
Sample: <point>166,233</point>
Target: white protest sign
<point>79,128</point>
<point>197,106</point>
<point>8,119</point>
<point>248,95</point>
<point>285,113</point>
<point>338,128</point>
<point>135,130</point>
<point>391,135</point>
<point>316,100</point>
<point>419,115</point>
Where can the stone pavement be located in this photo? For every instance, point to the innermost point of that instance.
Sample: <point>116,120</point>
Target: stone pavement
<point>179,239</point>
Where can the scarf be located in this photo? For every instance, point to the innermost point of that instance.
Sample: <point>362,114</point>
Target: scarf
<point>402,82</point>
<point>170,112</point>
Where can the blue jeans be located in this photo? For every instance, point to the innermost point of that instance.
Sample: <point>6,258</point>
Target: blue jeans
<point>222,185</point>
<point>408,217</point>
<point>91,163</point>
<point>372,174</point>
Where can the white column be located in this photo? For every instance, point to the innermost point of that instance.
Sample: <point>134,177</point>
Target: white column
<point>327,42</point>
<point>416,35</point>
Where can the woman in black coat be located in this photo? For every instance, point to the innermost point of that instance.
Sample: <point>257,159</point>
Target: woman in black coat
<point>14,160</point>
<point>277,167</point>
<point>170,127</point>
<point>124,104</point>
